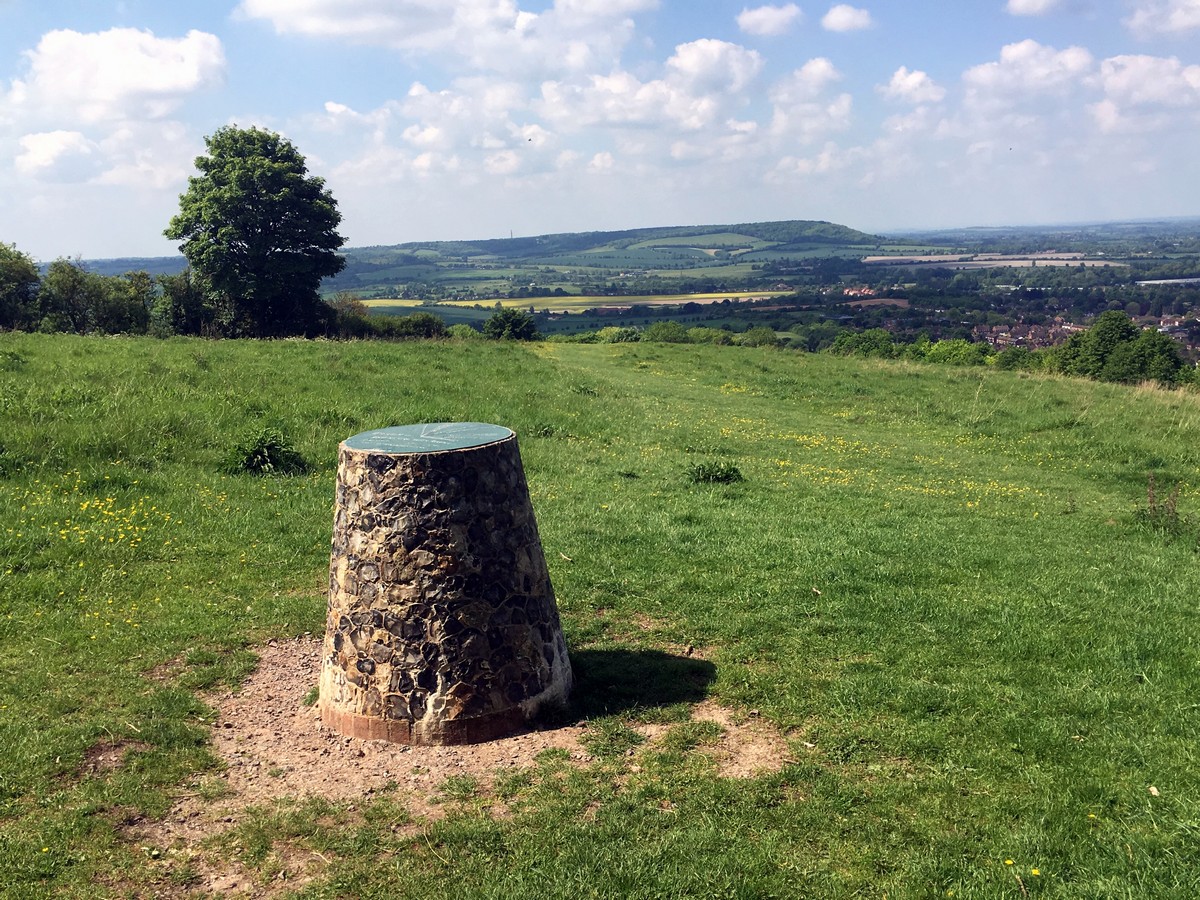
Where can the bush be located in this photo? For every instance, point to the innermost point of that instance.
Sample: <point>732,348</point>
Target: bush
<point>1019,358</point>
<point>874,343</point>
<point>666,333</point>
<point>614,334</point>
<point>958,352</point>
<point>266,453</point>
<point>463,332</point>
<point>918,349</point>
<point>704,335</point>
<point>511,325</point>
<point>417,325</point>
<point>759,336</point>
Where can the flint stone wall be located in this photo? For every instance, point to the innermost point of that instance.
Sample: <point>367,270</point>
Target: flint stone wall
<point>442,625</point>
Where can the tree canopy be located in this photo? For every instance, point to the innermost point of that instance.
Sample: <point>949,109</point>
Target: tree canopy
<point>512,325</point>
<point>261,233</point>
<point>18,288</point>
<point>1115,349</point>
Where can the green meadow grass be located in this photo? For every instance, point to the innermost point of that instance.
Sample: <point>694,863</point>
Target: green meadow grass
<point>947,587</point>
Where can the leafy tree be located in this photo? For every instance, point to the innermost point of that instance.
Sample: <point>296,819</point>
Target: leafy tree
<point>19,281</point>
<point>70,297</point>
<point>183,306</point>
<point>74,299</point>
<point>351,317</point>
<point>1115,349</point>
<point>261,232</point>
<point>124,304</point>
<point>1086,353</point>
<point>1151,355</point>
<point>511,325</point>
<point>874,343</point>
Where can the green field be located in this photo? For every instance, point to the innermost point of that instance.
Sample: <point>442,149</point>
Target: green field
<point>577,303</point>
<point>947,588</point>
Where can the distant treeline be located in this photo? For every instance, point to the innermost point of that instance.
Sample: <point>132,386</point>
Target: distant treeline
<point>69,298</point>
<point>1114,349</point>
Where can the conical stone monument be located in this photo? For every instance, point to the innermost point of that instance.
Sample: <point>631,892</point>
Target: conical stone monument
<point>442,625</point>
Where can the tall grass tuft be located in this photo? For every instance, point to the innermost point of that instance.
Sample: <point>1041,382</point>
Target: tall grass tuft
<point>1161,514</point>
<point>265,452</point>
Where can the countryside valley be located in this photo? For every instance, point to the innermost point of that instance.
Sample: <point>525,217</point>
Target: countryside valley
<point>808,282</point>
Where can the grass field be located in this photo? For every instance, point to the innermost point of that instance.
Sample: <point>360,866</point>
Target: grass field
<point>572,303</point>
<point>948,588</point>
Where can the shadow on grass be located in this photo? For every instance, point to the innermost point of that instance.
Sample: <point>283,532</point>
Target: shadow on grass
<point>616,681</point>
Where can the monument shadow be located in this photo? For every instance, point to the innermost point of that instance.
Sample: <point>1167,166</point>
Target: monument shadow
<point>621,680</point>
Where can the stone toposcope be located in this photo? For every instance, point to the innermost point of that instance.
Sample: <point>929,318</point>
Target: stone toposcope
<point>442,625</point>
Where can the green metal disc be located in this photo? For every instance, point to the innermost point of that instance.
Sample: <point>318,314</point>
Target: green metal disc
<point>432,438</point>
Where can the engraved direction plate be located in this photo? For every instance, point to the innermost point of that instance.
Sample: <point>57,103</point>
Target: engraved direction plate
<point>431,438</point>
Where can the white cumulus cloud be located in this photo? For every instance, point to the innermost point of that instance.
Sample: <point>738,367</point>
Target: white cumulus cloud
<point>503,162</point>
<point>1028,68</point>
<point>66,156</point>
<point>844,17</point>
<point>1151,17</point>
<point>768,21</point>
<point>601,162</point>
<point>807,82</point>
<point>1031,7</point>
<point>1144,80</point>
<point>470,113</point>
<point>830,159</point>
<point>489,35</point>
<point>123,73</point>
<point>1144,93</point>
<point>714,65</point>
<point>703,80</point>
<point>912,87</point>
<point>148,156</point>
<point>803,108</point>
<point>604,9</point>
<point>413,24</point>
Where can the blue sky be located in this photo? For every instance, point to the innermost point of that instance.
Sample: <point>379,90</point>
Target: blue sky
<point>445,119</point>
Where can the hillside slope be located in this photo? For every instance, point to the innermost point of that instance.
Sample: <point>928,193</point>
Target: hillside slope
<point>490,266</point>
<point>949,589</point>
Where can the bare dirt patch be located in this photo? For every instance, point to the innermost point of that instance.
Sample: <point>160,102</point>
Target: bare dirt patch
<point>109,755</point>
<point>275,747</point>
